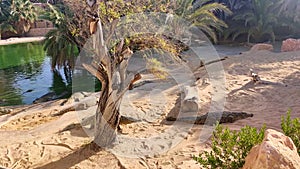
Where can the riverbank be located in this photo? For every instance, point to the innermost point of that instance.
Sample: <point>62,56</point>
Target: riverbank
<point>11,41</point>
<point>48,136</point>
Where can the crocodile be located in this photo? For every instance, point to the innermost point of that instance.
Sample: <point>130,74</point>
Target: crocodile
<point>212,117</point>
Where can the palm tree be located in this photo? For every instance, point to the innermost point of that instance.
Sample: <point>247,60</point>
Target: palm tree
<point>235,5</point>
<point>60,43</point>
<point>23,14</point>
<point>290,17</point>
<point>256,22</point>
<point>291,8</point>
<point>202,13</point>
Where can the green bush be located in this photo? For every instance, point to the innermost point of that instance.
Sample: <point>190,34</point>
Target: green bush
<point>291,128</point>
<point>230,148</point>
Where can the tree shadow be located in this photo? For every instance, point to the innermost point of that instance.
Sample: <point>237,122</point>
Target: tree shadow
<point>74,158</point>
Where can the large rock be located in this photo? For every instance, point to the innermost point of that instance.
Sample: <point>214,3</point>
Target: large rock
<point>290,45</point>
<point>262,46</point>
<point>277,151</point>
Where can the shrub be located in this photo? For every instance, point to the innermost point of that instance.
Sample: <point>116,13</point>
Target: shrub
<point>291,128</point>
<point>230,148</point>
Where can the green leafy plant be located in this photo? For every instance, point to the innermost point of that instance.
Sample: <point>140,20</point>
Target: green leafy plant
<point>291,128</point>
<point>230,148</point>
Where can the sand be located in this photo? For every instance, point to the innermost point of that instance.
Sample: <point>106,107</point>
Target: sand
<point>32,138</point>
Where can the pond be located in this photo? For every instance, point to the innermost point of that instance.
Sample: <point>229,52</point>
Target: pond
<point>25,75</point>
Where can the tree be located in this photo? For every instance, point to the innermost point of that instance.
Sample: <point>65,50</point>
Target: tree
<point>291,8</point>
<point>235,5</point>
<point>108,62</point>
<point>256,22</point>
<point>60,43</point>
<point>202,13</point>
<point>290,17</point>
<point>111,61</point>
<point>23,14</point>
<point>110,55</point>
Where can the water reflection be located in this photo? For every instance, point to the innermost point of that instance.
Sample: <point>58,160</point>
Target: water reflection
<point>18,64</point>
<point>58,84</point>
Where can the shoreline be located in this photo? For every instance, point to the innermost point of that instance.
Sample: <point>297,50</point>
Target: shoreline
<point>17,40</point>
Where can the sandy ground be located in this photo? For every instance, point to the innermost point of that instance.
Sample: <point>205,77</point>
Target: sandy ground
<point>11,41</point>
<point>32,138</point>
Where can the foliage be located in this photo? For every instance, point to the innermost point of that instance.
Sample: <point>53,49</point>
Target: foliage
<point>23,14</point>
<point>203,15</point>
<point>256,22</point>
<point>291,128</point>
<point>156,68</point>
<point>290,17</point>
<point>230,148</point>
<point>235,5</point>
<point>5,24</point>
<point>60,43</point>
<point>290,8</point>
<point>4,10</point>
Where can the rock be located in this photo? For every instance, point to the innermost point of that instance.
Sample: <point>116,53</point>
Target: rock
<point>79,96</point>
<point>78,101</point>
<point>4,110</point>
<point>277,151</point>
<point>76,97</point>
<point>290,45</point>
<point>187,103</point>
<point>190,102</point>
<point>262,46</point>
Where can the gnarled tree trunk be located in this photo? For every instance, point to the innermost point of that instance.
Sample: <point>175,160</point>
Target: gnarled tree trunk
<point>111,71</point>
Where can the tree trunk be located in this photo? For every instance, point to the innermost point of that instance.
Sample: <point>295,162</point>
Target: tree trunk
<point>105,68</point>
<point>107,120</point>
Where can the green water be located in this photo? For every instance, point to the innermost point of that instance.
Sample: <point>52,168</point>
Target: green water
<point>25,75</point>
